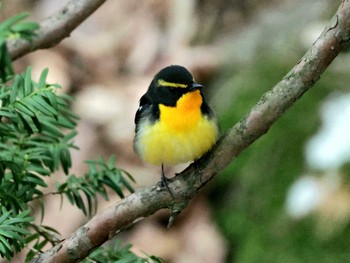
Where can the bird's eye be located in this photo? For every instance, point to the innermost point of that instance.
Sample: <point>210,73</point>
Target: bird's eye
<point>172,88</point>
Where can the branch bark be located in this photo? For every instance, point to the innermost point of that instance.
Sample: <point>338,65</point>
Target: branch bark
<point>55,28</point>
<point>184,186</point>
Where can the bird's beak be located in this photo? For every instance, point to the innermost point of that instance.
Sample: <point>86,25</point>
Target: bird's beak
<point>195,86</point>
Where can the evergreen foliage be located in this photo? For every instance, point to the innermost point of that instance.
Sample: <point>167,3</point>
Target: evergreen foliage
<point>37,131</point>
<point>115,253</point>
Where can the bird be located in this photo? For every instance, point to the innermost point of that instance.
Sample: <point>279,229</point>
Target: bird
<point>174,123</point>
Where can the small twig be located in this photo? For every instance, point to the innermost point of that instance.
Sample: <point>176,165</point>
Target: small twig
<point>47,194</point>
<point>50,236</point>
<point>55,28</point>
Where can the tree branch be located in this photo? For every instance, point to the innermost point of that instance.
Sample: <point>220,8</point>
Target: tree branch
<point>55,28</point>
<point>184,186</point>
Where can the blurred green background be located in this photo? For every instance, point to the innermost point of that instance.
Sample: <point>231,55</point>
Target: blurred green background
<point>249,197</point>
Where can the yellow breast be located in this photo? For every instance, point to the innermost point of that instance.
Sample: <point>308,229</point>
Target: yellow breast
<point>182,133</point>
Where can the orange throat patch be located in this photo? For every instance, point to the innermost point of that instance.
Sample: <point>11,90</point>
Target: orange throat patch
<point>186,113</point>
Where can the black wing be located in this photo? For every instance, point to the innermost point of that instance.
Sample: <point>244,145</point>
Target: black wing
<point>205,108</point>
<point>145,104</point>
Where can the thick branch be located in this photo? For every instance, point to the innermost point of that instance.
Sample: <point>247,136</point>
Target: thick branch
<point>55,28</point>
<point>271,106</point>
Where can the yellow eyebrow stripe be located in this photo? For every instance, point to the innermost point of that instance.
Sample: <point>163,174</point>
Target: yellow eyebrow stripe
<point>171,84</point>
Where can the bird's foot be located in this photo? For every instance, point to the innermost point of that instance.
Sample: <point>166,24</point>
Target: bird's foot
<point>164,182</point>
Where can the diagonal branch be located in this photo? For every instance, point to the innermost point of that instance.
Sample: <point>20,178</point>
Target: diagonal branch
<point>55,28</point>
<point>254,124</point>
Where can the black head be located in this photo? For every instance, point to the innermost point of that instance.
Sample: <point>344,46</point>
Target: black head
<point>175,74</point>
<point>170,83</point>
